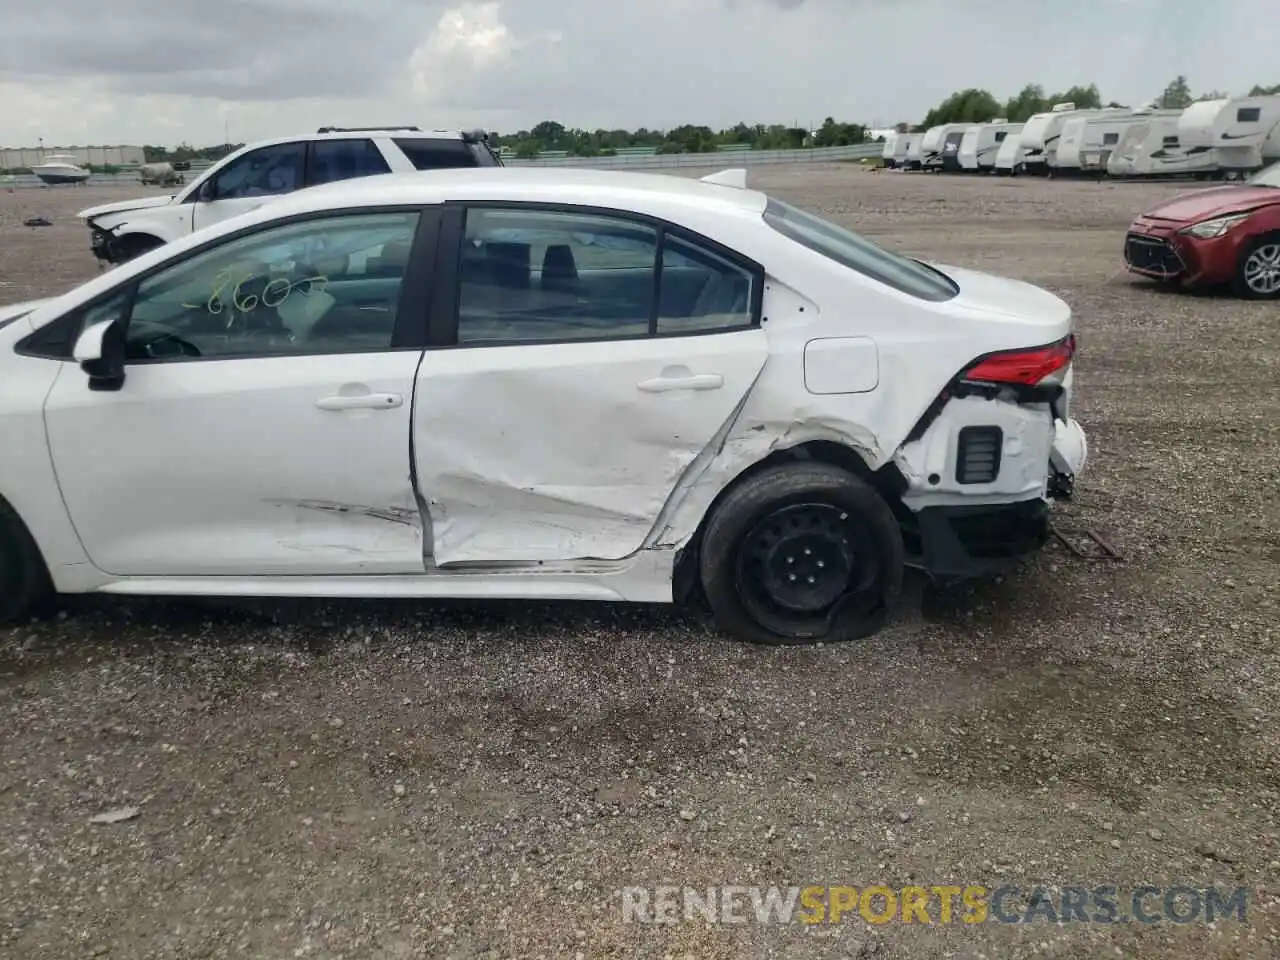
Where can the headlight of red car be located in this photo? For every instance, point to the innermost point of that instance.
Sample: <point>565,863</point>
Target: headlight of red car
<point>1209,229</point>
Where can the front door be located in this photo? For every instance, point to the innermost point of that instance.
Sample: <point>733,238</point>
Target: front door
<point>263,424</point>
<point>581,383</point>
<point>249,181</point>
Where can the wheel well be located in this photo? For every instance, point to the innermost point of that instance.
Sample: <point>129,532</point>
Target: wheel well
<point>887,481</point>
<point>1271,235</point>
<point>141,237</point>
<point>12,523</point>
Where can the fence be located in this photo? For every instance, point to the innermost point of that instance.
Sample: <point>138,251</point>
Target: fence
<point>23,157</point>
<point>719,159</point>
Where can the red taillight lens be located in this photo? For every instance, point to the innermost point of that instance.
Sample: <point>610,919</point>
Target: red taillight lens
<point>1024,367</point>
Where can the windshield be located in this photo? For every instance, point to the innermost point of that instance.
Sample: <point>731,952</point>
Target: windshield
<point>858,253</point>
<point>1266,177</point>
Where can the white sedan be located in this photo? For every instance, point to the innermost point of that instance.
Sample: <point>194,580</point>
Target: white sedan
<point>533,383</point>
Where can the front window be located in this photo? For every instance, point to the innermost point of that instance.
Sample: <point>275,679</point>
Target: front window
<point>858,253</point>
<point>329,285</point>
<point>262,173</point>
<point>1266,177</point>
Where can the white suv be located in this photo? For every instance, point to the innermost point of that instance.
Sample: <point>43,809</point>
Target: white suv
<point>243,180</point>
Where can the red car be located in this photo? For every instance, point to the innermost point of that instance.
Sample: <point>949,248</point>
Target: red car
<point>1228,234</point>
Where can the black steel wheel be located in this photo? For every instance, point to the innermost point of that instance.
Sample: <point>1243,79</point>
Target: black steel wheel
<point>799,553</point>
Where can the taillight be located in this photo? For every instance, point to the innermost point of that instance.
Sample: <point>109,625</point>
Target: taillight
<point>1023,367</point>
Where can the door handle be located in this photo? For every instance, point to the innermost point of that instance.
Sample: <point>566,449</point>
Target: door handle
<point>367,401</point>
<point>687,381</point>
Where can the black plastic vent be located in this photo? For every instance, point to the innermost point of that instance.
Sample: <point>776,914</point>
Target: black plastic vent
<point>978,455</point>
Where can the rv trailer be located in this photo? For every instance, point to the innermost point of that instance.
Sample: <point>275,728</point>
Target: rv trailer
<point>1008,161</point>
<point>951,147</point>
<point>1087,142</point>
<point>990,138</point>
<point>1151,148</point>
<point>887,157</point>
<point>896,149</point>
<point>1041,133</point>
<point>931,147</point>
<point>914,142</point>
<point>967,154</point>
<point>1245,132</point>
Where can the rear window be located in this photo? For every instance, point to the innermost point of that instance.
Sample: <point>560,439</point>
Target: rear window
<point>858,253</point>
<point>437,154</point>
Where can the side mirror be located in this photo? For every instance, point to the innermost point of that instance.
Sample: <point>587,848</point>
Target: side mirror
<point>100,351</point>
<point>208,191</point>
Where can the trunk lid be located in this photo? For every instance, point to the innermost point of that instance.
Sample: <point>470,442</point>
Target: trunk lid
<point>1009,313</point>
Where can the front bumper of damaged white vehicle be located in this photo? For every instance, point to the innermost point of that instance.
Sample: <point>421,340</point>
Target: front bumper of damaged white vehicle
<point>960,529</point>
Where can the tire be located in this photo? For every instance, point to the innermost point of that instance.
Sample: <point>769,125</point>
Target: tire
<point>1266,248</point>
<point>25,586</point>
<point>743,553</point>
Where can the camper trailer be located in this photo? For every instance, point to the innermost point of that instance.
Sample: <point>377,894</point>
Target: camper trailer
<point>1087,142</point>
<point>1041,134</point>
<point>914,142</point>
<point>1009,156</point>
<point>951,147</point>
<point>967,155</point>
<point>935,140</point>
<point>990,137</point>
<point>896,149</point>
<point>887,154</point>
<point>1245,131</point>
<point>1151,147</point>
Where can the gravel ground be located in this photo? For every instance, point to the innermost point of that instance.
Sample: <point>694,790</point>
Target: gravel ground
<point>481,780</point>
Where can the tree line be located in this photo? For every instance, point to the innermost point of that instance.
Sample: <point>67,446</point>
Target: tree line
<point>974,105</point>
<point>971,105</point>
<point>551,135</point>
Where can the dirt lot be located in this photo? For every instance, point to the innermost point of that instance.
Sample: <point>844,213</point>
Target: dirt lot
<point>454,780</point>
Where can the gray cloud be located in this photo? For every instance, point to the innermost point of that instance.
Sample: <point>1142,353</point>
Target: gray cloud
<point>228,49</point>
<point>276,66</point>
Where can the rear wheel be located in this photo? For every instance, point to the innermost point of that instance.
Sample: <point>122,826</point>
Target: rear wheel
<point>800,553</point>
<point>25,586</point>
<point>1258,274</point>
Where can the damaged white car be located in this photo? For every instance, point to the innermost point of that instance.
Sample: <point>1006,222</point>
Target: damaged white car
<point>533,383</point>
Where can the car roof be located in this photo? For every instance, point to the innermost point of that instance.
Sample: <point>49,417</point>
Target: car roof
<point>621,189</point>
<point>362,134</point>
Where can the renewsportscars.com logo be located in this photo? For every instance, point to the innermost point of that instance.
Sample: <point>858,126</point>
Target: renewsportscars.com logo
<point>940,904</point>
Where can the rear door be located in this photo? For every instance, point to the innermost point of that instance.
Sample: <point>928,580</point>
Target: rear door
<point>581,362</point>
<point>331,160</point>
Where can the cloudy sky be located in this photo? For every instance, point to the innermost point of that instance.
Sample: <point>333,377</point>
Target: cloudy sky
<point>165,71</point>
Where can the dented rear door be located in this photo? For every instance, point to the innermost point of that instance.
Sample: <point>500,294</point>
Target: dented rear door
<point>568,451</point>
